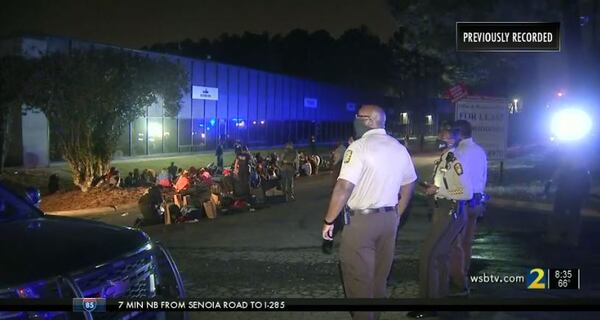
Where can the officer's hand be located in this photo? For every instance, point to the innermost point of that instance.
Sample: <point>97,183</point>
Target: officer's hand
<point>431,190</point>
<point>328,232</point>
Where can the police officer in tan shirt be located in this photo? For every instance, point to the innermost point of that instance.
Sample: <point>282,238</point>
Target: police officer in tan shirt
<point>474,158</point>
<point>450,190</point>
<point>376,197</point>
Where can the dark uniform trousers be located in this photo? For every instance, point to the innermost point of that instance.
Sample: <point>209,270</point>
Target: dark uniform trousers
<point>565,220</point>
<point>460,258</point>
<point>434,262</point>
<point>366,255</point>
<point>287,180</point>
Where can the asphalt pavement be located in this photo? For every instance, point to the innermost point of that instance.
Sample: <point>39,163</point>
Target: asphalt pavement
<point>276,252</point>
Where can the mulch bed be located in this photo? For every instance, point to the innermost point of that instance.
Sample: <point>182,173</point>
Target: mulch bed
<point>98,197</point>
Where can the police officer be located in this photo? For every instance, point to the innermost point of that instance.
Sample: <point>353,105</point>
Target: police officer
<point>449,190</point>
<point>289,166</point>
<point>474,158</point>
<point>371,192</point>
<point>573,182</point>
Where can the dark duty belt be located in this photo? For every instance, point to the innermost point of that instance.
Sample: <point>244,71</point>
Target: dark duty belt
<point>372,210</point>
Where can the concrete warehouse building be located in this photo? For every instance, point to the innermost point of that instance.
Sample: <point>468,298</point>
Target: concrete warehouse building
<point>225,101</point>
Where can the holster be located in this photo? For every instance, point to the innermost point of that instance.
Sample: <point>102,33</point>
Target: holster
<point>478,199</point>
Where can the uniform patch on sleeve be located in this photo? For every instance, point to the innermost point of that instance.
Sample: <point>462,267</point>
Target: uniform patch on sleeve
<point>458,168</point>
<point>347,156</point>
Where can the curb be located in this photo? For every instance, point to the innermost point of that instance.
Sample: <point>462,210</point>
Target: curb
<point>545,208</point>
<point>100,211</point>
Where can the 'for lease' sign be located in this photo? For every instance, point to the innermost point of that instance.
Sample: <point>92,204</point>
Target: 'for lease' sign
<point>489,119</point>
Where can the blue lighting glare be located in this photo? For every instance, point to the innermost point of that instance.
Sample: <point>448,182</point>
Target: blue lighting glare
<point>212,122</point>
<point>571,124</point>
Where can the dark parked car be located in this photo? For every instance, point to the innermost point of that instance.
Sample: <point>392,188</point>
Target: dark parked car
<point>44,256</point>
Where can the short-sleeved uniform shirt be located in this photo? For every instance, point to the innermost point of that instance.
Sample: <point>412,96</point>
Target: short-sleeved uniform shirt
<point>474,158</point>
<point>378,165</point>
<point>452,178</point>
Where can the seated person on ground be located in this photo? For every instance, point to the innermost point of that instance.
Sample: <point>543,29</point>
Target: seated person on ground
<point>199,194</point>
<point>149,205</point>
<point>53,183</point>
<point>227,181</point>
<point>115,179</point>
<point>183,183</point>
<point>205,177</point>
<point>151,177</point>
<point>179,173</point>
<point>306,168</point>
<point>137,178</point>
<point>128,180</point>
<point>164,179</point>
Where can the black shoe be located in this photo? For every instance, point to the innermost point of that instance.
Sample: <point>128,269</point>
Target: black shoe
<point>421,314</point>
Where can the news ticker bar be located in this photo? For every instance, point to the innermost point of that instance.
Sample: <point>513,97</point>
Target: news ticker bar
<point>245,305</point>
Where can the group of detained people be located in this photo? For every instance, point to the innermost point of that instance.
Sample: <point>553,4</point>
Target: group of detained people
<point>167,177</point>
<point>247,172</point>
<point>194,182</point>
<point>255,171</point>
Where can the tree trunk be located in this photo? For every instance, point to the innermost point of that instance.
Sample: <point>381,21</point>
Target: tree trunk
<point>85,172</point>
<point>5,118</point>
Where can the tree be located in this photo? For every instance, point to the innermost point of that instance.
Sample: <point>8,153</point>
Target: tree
<point>363,60</point>
<point>357,58</point>
<point>90,96</point>
<point>14,74</point>
<point>428,27</point>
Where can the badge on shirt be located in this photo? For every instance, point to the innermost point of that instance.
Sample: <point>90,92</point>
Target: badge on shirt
<point>347,156</point>
<point>458,168</point>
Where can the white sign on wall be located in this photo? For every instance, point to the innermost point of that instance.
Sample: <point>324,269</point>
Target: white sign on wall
<point>489,119</point>
<point>205,93</point>
<point>311,102</point>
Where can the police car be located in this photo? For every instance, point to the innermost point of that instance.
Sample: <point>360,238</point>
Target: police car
<point>44,256</point>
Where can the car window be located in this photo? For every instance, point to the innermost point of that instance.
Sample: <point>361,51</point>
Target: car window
<point>13,207</point>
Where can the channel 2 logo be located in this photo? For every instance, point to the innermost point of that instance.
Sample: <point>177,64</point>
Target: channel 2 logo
<point>536,278</point>
<point>89,305</point>
<point>563,278</point>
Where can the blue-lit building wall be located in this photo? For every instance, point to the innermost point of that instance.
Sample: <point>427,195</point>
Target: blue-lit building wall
<point>255,107</point>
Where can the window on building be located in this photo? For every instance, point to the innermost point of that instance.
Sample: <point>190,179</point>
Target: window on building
<point>198,134</point>
<point>155,135</point>
<point>139,137</point>
<point>170,135</point>
<point>185,135</point>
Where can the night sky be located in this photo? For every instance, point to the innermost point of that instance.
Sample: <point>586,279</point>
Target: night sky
<point>135,23</point>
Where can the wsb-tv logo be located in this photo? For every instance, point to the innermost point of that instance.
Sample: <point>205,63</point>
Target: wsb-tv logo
<point>89,305</point>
